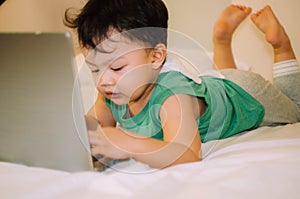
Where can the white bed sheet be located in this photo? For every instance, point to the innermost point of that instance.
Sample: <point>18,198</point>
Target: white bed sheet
<point>263,163</point>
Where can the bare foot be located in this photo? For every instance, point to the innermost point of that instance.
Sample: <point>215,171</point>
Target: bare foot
<point>228,21</point>
<point>267,22</point>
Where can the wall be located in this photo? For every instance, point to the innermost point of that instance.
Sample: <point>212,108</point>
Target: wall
<point>195,18</point>
<point>35,15</point>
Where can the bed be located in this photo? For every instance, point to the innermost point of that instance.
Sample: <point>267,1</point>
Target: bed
<point>262,163</point>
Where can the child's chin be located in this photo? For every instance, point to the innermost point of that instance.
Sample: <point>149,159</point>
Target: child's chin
<point>120,101</point>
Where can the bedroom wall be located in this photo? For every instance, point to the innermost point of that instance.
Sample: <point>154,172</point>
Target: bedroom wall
<point>194,18</point>
<point>35,15</point>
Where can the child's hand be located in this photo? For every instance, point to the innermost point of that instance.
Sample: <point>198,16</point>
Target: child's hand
<point>104,141</point>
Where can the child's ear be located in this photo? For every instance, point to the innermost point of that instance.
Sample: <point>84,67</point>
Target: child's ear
<point>159,55</point>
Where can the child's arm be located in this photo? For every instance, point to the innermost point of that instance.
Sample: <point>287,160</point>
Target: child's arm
<point>181,137</point>
<point>101,112</point>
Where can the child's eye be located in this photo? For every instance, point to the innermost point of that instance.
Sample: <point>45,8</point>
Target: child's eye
<point>96,71</point>
<point>117,68</point>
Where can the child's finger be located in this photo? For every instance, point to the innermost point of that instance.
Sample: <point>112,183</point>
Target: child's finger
<point>95,139</point>
<point>96,151</point>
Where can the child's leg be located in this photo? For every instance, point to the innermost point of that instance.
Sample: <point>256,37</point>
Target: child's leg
<point>287,79</point>
<point>278,107</point>
<point>286,68</point>
<point>224,28</point>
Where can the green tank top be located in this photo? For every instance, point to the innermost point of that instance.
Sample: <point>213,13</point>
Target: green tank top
<point>229,109</point>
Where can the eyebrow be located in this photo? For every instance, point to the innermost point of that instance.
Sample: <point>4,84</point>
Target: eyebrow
<point>94,64</point>
<point>91,65</point>
<point>106,63</point>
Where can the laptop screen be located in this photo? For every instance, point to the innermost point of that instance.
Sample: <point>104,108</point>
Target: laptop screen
<point>42,119</point>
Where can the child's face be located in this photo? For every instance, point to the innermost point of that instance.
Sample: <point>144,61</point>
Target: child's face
<point>125,75</point>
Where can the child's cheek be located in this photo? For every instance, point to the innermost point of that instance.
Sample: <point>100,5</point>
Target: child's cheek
<point>134,79</point>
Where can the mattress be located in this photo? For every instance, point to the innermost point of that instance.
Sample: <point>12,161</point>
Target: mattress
<point>262,163</point>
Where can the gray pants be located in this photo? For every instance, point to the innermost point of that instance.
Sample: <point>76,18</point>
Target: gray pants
<point>281,99</point>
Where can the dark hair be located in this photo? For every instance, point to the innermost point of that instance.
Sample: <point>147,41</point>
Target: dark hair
<point>97,17</point>
<point>1,2</point>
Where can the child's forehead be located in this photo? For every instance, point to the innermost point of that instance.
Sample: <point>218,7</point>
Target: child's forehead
<point>111,49</point>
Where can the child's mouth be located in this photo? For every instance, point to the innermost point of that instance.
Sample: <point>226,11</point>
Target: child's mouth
<point>111,94</point>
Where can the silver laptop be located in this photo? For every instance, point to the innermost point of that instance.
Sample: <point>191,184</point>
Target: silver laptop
<point>41,114</point>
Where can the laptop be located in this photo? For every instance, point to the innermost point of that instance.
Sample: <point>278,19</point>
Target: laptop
<point>42,120</point>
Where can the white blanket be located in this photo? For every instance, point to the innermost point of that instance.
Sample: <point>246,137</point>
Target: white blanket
<point>263,163</point>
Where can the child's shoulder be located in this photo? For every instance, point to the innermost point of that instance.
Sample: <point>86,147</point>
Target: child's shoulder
<point>191,71</point>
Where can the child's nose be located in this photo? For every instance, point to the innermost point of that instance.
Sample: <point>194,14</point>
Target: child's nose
<point>106,79</point>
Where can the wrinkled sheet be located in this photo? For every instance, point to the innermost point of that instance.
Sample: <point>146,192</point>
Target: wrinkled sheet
<point>262,163</point>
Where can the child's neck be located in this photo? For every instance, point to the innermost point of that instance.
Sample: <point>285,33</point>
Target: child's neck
<point>136,106</point>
